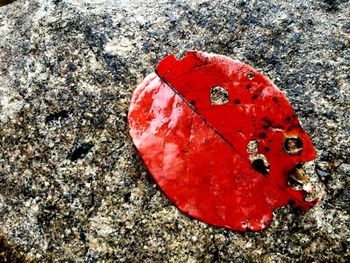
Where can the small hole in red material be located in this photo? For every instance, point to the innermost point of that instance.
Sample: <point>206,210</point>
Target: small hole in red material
<point>218,96</point>
<point>293,145</point>
<point>259,161</point>
<point>250,75</point>
<point>252,146</point>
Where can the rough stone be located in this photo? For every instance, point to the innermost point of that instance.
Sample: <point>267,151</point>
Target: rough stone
<point>72,185</point>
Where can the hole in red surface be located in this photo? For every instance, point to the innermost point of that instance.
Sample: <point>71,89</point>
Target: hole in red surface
<point>260,163</point>
<point>259,166</point>
<point>252,146</point>
<point>250,75</point>
<point>293,145</point>
<point>218,96</point>
<point>298,176</point>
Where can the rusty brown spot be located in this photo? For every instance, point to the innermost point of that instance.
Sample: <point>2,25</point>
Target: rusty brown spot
<point>299,175</point>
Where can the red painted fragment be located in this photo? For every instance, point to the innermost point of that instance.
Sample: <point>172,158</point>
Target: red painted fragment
<point>197,151</point>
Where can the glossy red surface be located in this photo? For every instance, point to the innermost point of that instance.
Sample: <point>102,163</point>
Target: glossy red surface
<point>197,152</point>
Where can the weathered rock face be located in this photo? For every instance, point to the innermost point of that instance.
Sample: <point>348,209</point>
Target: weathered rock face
<point>72,185</point>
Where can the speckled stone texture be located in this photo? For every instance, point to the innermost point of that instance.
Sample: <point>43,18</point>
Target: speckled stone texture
<point>72,185</point>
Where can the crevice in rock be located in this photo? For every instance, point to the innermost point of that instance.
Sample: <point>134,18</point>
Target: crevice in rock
<point>6,2</point>
<point>57,115</point>
<point>80,151</point>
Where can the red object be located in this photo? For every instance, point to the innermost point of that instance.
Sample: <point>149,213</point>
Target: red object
<point>197,151</point>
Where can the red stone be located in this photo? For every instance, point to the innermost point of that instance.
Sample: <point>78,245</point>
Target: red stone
<point>197,151</point>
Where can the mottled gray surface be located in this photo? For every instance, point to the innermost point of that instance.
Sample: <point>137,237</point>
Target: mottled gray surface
<point>72,186</point>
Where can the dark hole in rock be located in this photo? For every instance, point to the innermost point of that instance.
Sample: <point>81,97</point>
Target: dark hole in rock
<point>218,96</point>
<point>293,145</point>
<point>82,234</point>
<point>6,2</point>
<point>344,246</point>
<point>56,116</point>
<point>127,197</point>
<point>80,151</point>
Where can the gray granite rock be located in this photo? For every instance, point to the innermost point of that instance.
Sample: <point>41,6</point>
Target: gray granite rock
<point>72,185</point>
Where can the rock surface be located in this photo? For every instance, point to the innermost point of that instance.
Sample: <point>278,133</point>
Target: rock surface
<point>72,185</point>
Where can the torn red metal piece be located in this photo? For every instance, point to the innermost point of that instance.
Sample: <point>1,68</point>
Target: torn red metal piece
<point>196,150</point>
